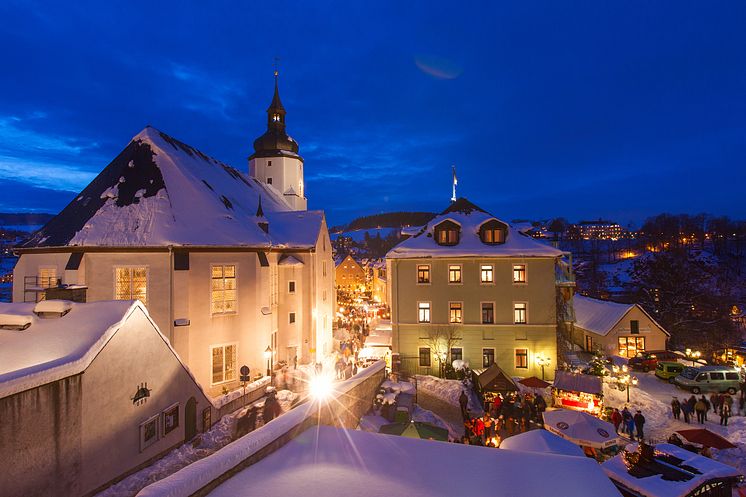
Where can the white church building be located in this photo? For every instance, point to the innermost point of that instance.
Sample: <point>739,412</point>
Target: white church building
<point>232,267</point>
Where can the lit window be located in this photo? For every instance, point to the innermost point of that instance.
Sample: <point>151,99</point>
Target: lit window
<point>423,273</point>
<point>424,354</point>
<point>519,313</point>
<point>455,312</point>
<point>454,273</point>
<point>519,273</point>
<point>521,358</point>
<point>291,288</point>
<point>447,233</point>
<point>487,273</point>
<point>493,232</point>
<point>47,277</point>
<point>488,313</point>
<point>223,363</point>
<point>630,346</point>
<point>223,291</point>
<point>488,357</point>
<point>423,312</point>
<point>131,284</point>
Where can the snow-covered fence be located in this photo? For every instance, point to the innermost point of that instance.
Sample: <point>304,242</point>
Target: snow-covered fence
<point>230,402</point>
<point>348,401</point>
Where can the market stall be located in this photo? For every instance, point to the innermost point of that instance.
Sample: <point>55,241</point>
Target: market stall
<point>493,380</point>
<point>580,392</point>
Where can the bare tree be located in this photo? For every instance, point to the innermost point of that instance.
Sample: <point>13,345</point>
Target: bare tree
<point>441,339</point>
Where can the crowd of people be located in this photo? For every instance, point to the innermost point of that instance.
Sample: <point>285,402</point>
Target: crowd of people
<point>632,425</point>
<point>504,416</point>
<point>719,404</point>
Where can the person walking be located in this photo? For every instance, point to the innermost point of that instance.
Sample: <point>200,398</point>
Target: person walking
<point>700,408</point>
<point>676,408</point>
<point>629,423</point>
<point>463,401</point>
<point>687,411</point>
<point>639,424</point>
<point>616,419</point>
<point>724,414</point>
<point>707,404</point>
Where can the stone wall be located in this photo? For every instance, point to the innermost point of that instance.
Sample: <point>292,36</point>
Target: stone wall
<point>40,440</point>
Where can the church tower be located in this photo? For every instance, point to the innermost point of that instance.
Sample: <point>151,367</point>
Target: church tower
<point>275,160</point>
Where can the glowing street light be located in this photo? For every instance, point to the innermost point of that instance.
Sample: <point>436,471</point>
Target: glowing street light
<point>625,381</point>
<point>693,355</point>
<point>268,356</point>
<point>542,361</point>
<point>320,387</point>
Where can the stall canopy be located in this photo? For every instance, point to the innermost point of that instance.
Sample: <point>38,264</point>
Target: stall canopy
<point>494,379</point>
<point>576,382</point>
<point>534,382</point>
<point>581,428</point>
<point>416,429</point>
<point>706,438</point>
<point>669,471</point>
<point>542,441</point>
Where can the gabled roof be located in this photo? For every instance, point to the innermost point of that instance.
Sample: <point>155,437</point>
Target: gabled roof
<point>601,316</point>
<point>470,217</point>
<point>159,191</point>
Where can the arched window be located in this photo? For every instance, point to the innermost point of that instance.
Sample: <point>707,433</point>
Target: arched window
<point>447,233</point>
<point>493,232</point>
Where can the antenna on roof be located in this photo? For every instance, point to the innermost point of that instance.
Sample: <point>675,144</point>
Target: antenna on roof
<point>455,182</point>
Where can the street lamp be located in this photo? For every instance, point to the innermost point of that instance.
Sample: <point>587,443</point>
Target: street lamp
<point>268,356</point>
<point>693,355</point>
<point>625,381</point>
<point>543,361</point>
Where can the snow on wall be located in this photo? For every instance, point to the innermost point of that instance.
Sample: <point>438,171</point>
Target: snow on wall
<point>196,476</point>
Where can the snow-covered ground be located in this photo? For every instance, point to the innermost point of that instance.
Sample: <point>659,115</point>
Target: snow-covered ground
<point>205,444</point>
<point>653,397</point>
<point>449,391</point>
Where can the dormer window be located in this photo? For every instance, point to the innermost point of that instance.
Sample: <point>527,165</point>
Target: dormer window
<point>493,232</point>
<point>447,233</point>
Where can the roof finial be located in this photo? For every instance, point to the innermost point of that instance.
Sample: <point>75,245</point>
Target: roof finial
<point>455,182</point>
<point>277,71</point>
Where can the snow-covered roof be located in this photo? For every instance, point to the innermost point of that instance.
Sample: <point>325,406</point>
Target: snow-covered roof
<point>656,486</point>
<point>601,316</point>
<point>325,460</point>
<point>470,217</point>
<point>542,441</point>
<point>159,191</point>
<point>55,348</point>
<point>577,382</point>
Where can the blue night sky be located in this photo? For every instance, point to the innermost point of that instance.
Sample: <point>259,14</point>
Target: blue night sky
<point>575,109</point>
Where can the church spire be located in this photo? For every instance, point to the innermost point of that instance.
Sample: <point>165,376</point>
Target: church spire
<point>276,112</point>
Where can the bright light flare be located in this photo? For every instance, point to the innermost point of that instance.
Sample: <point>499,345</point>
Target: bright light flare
<point>320,387</point>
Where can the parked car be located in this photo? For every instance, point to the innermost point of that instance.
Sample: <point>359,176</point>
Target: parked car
<point>648,360</point>
<point>709,379</point>
<point>667,370</point>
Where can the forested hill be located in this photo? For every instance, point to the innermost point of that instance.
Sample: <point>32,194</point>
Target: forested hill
<point>386,220</point>
<point>24,218</point>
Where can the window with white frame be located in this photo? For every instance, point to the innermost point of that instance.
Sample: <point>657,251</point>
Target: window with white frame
<point>131,283</point>
<point>487,273</point>
<point>423,312</point>
<point>223,293</point>
<point>223,363</point>
<point>454,273</point>
<point>519,312</point>
<point>519,273</point>
<point>456,312</point>
<point>423,274</point>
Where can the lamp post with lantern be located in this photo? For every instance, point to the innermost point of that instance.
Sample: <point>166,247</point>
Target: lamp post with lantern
<point>543,361</point>
<point>268,356</point>
<point>624,379</point>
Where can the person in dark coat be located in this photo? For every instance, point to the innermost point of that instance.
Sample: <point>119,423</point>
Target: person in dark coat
<point>676,408</point>
<point>463,401</point>
<point>639,425</point>
<point>271,408</point>
<point>616,419</point>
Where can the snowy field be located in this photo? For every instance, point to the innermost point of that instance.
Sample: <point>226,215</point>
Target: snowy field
<point>653,397</point>
<point>220,435</point>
